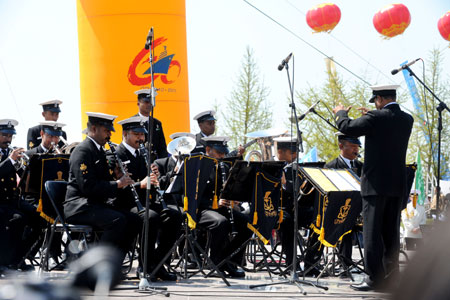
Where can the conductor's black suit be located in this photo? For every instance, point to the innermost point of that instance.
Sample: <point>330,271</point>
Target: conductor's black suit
<point>383,183</point>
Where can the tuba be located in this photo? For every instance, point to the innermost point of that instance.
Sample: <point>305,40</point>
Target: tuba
<point>264,138</point>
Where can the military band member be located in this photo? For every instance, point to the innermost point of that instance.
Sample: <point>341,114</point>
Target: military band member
<point>218,221</point>
<point>91,184</point>
<point>145,106</point>
<point>13,219</point>
<point>164,223</point>
<point>50,133</point>
<point>51,113</point>
<point>383,180</point>
<point>347,159</point>
<point>207,123</point>
<point>287,151</point>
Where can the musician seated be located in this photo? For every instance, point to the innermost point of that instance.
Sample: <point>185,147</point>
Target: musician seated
<point>217,220</point>
<point>91,184</point>
<point>50,133</point>
<point>13,218</point>
<point>164,222</point>
<point>287,151</point>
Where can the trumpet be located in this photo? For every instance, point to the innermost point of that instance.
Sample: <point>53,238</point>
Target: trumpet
<point>57,149</point>
<point>122,169</point>
<point>22,162</point>
<point>63,148</point>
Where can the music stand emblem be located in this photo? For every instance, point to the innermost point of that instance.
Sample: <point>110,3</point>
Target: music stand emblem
<point>343,212</point>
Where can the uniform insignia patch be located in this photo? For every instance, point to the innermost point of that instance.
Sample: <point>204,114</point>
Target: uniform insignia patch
<point>31,145</point>
<point>337,118</point>
<point>83,167</point>
<point>111,172</point>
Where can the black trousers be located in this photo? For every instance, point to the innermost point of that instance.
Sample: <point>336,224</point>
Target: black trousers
<point>381,235</point>
<point>164,229</point>
<point>218,222</point>
<point>12,225</point>
<point>305,215</point>
<point>120,228</point>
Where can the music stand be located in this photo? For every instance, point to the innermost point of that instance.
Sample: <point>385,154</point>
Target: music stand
<point>190,181</point>
<point>338,206</point>
<point>260,182</point>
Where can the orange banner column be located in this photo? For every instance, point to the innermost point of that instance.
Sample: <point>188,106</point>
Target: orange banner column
<point>114,63</point>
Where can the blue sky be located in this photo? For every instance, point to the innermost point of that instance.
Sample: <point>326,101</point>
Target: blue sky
<point>39,51</point>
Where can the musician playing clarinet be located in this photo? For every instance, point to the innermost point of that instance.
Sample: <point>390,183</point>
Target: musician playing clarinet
<point>163,222</point>
<point>218,221</point>
<point>91,184</point>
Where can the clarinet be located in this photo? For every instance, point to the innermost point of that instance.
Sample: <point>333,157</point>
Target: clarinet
<point>122,169</point>
<point>230,209</point>
<point>160,192</point>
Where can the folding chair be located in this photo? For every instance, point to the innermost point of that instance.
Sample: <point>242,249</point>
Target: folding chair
<point>56,191</point>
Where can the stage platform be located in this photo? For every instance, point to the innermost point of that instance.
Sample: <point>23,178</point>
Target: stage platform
<point>198,287</point>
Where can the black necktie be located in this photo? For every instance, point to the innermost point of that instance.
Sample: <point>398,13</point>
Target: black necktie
<point>352,164</point>
<point>136,153</point>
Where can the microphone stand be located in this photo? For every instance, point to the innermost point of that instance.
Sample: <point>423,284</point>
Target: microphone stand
<point>440,107</point>
<point>326,120</point>
<point>144,285</point>
<point>299,145</point>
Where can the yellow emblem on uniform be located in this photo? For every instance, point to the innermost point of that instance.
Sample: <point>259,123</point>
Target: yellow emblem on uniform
<point>31,145</point>
<point>83,167</point>
<point>337,118</point>
<point>111,172</point>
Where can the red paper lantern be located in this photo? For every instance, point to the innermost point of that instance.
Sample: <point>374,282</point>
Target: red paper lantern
<point>392,20</point>
<point>323,17</point>
<point>444,26</point>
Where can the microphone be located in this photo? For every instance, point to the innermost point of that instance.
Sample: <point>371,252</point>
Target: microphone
<point>149,39</point>
<point>395,71</point>
<point>284,62</point>
<point>311,109</point>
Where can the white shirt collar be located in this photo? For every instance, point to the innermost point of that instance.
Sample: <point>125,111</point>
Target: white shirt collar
<point>141,115</point>
<point>95,143</point>
<point>204,135</point>
<point>346,160</point>
<point>129,148</point>
<point>43,148</point>
<point>390,103</point>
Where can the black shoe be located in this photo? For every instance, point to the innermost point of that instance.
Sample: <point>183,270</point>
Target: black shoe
<point>313,273</point>
<point>163,275</point>
<point>363,287</point>
<point>23,267</point>
<point>232,271</point>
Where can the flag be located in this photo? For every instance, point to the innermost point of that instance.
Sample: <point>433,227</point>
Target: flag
<point>420,185</point>
<point>311,156</point>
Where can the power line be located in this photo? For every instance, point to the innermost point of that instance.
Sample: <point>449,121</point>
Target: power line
<point>315,48</point>
<point>304,41</point>
<point>12,93</point>
<point>348,47</point>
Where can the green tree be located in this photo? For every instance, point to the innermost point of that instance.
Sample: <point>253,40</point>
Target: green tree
<point>316,132</point>
<point>247,109</point>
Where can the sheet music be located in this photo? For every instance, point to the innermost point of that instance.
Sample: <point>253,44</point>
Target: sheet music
<point>339,181</point>
<point>321,179</point>
<point>350,179</point>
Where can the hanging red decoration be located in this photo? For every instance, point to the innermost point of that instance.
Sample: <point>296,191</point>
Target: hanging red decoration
<point>323,17</point>
<point>444,26</point>
<point>392,20</point>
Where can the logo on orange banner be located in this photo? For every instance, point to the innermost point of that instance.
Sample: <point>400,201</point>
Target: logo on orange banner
<point>165,67</point>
